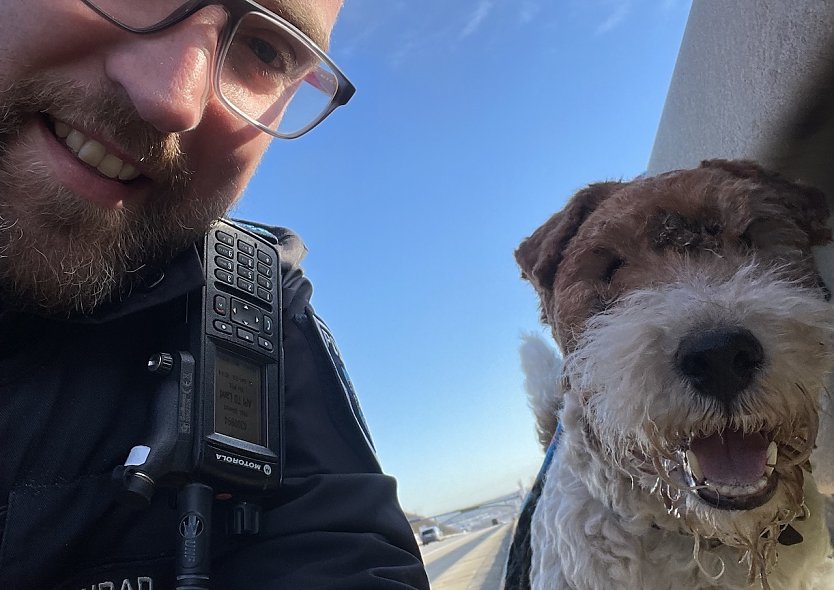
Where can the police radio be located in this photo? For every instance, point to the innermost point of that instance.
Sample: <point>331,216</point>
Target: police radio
<point>216,426</point>
<point>236,339</point>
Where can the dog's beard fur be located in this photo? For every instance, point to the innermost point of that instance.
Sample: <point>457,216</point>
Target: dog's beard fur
<point>61,254</point>
<point>640,413</point>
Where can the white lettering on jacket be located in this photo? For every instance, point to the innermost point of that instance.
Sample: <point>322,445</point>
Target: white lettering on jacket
<point>142,583</point>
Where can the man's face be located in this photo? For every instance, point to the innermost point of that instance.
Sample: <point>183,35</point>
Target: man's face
<point>75,90</point>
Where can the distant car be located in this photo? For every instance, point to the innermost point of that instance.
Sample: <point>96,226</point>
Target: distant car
<point>429,534</point>
<point>495,522</point>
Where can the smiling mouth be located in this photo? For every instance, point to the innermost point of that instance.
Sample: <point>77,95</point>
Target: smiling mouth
<point>92,153</point>
<point>731,470</point>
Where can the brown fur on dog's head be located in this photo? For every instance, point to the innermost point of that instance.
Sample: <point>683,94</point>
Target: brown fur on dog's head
<point>614,236</point>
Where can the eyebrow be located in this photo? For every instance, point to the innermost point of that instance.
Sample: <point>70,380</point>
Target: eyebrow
<point>304,19</point>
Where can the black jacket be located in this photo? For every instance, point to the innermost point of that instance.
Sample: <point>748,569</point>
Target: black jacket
<point>74,399</point>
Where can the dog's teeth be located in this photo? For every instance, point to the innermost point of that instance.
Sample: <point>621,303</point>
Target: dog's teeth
<point>694,466</point>
<point>735,491</point>
<point>772,452</point>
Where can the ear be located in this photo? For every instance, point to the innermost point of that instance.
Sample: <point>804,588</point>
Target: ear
<point>805,204</point>
<point>540,255</point>
<point>543,381</point>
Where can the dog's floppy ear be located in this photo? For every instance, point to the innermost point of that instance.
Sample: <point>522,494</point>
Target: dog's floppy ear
<point>539,255</point>
<point>805,204</point>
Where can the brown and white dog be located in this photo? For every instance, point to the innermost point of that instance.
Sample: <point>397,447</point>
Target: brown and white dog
<point>697,338</point>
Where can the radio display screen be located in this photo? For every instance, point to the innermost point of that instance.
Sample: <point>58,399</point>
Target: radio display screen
<point>237,398</point>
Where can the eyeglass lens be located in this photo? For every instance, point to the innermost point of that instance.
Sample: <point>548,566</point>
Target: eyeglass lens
<point>274,77</point>
<point>266,73</point>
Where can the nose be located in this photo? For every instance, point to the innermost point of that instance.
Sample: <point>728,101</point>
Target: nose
<point>167,75</point>
<point>720,363</point>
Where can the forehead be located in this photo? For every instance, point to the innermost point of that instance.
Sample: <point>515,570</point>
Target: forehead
<point>315,18</point>
<point>698,194</point>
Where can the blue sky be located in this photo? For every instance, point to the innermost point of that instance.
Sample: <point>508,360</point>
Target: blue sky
<point>473,122</point>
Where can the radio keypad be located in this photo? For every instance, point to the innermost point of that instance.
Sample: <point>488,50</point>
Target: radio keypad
<point>246,335</point>
<point>246,247</point>
<point>224,263</point>
<point>249,324</point>
<point>225,277</point>
<point>245,260</point>
<point>246,286</point>
<point>264,257</point>
<point>222,326</point>
<point>264,277</point>
<point>224,250</point>
<point>225,238</point>
<point>264,270</point>
<point>245,315</point>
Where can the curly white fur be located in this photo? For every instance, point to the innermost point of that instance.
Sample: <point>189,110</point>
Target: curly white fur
<point>615,512</point>
<point>542,369</point>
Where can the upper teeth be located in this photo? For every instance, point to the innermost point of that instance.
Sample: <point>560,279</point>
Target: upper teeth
<point>95,154</point>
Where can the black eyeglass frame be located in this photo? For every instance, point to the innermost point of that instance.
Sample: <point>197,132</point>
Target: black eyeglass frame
<point>237,10</point>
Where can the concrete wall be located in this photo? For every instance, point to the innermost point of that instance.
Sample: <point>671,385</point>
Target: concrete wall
<point>746,80</point>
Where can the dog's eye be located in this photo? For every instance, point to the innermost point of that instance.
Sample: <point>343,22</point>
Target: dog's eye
<point>613,266</point>
<point>764,232</point>
<point>746,239</point>
<point>599,265</point>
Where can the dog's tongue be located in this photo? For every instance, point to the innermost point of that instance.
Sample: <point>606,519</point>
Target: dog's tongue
<point>731,457</point>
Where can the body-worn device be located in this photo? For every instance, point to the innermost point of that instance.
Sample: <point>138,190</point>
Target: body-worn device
<point>236,341</point>
<point>216,429</point>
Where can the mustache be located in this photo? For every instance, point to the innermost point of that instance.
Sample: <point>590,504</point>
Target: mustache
<point>105,112</point>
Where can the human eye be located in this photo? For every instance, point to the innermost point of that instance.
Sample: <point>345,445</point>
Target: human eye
<point>263,50</point>
<point>270,51</point>
<point>263,58</point>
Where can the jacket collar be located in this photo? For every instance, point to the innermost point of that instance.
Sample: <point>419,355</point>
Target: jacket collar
<point>182,275</point>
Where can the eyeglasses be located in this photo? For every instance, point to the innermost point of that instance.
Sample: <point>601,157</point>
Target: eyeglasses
<point>266,70</point>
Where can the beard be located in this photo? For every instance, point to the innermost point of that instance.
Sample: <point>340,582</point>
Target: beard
<point>63,255</point>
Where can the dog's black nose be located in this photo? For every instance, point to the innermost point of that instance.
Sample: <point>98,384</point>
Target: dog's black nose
<point>720,363</point>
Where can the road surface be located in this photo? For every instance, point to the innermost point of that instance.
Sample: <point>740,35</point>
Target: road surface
<point>470,561</point>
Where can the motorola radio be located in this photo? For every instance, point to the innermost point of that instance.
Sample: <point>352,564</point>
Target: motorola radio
<point>237,348</point>
<point>216,427</point>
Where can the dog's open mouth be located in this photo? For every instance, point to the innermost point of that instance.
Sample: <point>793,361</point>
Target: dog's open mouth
<point>732,470</point>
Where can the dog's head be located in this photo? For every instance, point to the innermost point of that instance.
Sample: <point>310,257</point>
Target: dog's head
<point>697,336</point>
<point>613,237</point>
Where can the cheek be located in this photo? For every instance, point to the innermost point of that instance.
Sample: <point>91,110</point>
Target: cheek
<point>574,304</point>
<point>39,35</point>
<point>223,153</point>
